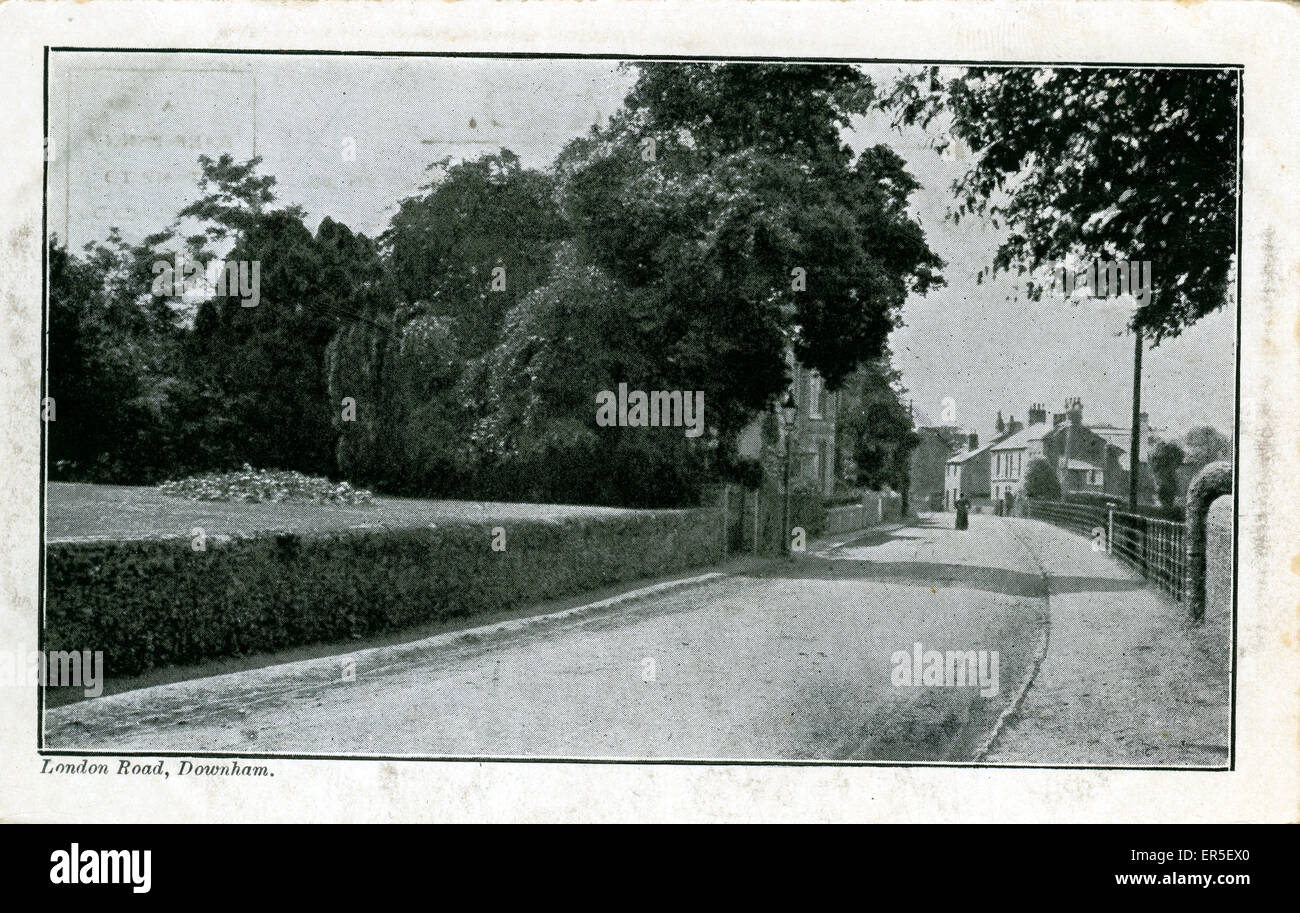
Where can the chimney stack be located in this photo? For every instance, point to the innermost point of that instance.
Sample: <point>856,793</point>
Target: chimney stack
<point>1013,426</point>
<point>1037,414</point>
<point>1075,409</point>
<point>973,441</point>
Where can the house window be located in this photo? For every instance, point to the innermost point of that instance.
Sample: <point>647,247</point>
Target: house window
<point>816,396</point>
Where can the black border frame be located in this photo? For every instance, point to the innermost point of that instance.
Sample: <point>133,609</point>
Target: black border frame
<point>44,752</point>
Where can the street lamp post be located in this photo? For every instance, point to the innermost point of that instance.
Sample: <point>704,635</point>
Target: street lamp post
<point>789,410</point>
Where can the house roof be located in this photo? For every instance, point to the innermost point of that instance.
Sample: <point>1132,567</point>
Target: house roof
<point>971,454</point>
<point>1119,438</point>
<point>1023,437</point>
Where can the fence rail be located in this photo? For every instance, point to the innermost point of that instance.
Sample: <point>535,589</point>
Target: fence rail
<point>1084,519</point>
<point>1152,547</point>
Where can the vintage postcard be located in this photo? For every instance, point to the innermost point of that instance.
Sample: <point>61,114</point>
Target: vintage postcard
<point>565,411</point>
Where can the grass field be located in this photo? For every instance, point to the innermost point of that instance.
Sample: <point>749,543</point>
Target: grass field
<point>77,512</point>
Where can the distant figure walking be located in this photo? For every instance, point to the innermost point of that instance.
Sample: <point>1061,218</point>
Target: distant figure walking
<point>963,513</point>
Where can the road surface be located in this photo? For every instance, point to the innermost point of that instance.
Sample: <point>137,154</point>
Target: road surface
<point>792,662</point>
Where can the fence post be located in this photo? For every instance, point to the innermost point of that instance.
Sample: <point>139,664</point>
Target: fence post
<point>755,521</point>
<point>1210,483</point>
<point>726,517</point>
<point>1110,528</point>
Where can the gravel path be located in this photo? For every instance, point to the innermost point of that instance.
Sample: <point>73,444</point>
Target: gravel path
<point>1127,680</point>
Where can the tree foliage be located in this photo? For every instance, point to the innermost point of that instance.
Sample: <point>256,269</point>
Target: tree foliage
<point>876,427</point>
<point>1041,480</point>
<point>1134,164</point>
<point>747,179</point>
<point>1165,460</point>
<point>112,357</point>
<point>461,352</point>
<point>1205,444</point>
<point>443,245</point>
<point>258,385</point>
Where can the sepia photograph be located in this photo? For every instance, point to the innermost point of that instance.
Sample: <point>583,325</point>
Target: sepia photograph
<point>638,409</point>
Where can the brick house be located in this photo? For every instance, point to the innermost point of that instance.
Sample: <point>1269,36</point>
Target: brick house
<point>1086,460</point>
<point>812,458</point>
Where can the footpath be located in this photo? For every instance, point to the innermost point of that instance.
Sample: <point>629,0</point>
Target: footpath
<point>1128,679</point>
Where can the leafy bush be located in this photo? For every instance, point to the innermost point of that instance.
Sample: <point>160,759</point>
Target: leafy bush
<point>807,508</point>
<point>259,485</point>
<point>1165,460</point>
<point>154,603</point>
<point>1041,481</point>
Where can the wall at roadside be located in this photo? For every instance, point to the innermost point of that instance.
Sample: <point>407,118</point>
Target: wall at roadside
<point>876,507</point>
<point>1218,559</point>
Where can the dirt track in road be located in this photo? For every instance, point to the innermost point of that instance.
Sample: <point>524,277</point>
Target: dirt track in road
<point>791,663</point>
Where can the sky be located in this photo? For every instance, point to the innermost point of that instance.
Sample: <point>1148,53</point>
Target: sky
<point>128,130</point>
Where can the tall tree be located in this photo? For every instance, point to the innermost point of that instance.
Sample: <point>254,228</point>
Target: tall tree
<point>256,373</point>
<point>876,427</point>
<point>535,433</point>
<point>474,243</point>
<point>112,363</point>
<point>455,260</point>
<point>725,203</point>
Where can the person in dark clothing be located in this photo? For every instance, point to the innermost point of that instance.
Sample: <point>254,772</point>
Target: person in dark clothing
<point>963,513</point>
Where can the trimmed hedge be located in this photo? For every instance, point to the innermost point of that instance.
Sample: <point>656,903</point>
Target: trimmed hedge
<point>154,603</point>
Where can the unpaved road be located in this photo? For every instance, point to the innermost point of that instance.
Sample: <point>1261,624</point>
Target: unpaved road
<point>790,663</point>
